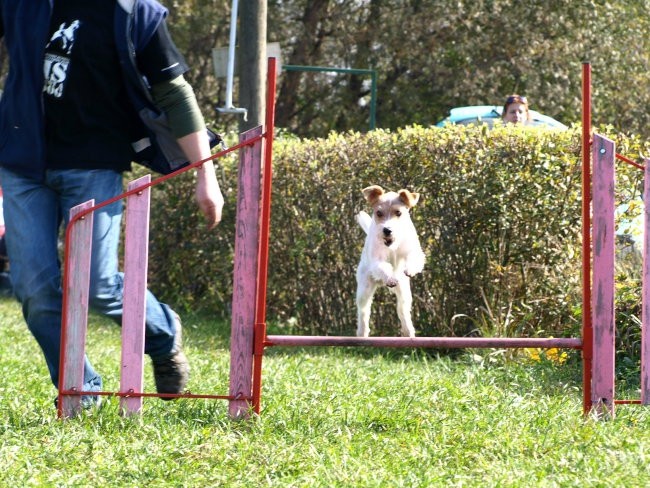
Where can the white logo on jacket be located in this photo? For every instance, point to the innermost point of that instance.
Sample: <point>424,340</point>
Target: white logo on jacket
<point>55,67</point>
<point>65,36</point>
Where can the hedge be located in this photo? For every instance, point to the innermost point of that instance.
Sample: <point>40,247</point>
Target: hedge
<point>499,221</point>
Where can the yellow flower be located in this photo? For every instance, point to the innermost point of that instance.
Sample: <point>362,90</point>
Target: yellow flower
<point>533,353</point>
<point>556,355</point>
<point>553,354</point>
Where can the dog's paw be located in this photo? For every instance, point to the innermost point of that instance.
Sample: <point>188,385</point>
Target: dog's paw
<point>412,272</point>
<point>391,282</point>
<point>414,263</point>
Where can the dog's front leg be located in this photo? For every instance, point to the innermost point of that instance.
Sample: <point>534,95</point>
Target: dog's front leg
<point>415,262</point>
<point>365,292</point>
<point>404,302</point>
<point>384,272</point>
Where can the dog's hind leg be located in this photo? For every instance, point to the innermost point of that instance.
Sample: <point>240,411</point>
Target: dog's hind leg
<point>404,302</point>
<point>365,293</point>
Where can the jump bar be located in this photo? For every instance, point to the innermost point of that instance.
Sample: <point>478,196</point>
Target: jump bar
<point>425,342</point>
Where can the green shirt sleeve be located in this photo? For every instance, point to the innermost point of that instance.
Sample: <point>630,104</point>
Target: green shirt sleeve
<point>176,98</point>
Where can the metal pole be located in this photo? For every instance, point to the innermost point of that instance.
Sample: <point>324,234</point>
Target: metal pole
<point>230,73</point>
<point>373,99</point>
<point>265,228</point>
<point>352,71</point>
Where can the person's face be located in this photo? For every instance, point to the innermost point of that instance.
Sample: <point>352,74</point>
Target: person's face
<point>517,113</point>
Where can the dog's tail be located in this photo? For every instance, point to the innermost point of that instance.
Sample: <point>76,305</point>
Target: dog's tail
<point>364,220</point>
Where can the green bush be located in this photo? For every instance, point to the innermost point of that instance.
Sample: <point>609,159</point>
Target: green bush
<point>499,220</point>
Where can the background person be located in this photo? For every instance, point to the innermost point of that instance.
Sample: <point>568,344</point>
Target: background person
<point>70,129</point>
<point>515,110</point>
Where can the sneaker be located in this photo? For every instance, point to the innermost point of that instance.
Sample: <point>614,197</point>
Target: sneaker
<point>171,371</point>
<point>87,402</point>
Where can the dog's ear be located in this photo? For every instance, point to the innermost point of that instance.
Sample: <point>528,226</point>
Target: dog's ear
<point>409,199</point>
<point>372,193</point>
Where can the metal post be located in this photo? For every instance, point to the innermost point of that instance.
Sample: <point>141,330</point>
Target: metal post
<point>353,71</point>
<point>263,261</point>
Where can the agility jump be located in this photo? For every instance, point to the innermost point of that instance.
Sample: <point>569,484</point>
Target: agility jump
<point>76,274</point>
<point>597,336</point>
<point>249,337</point>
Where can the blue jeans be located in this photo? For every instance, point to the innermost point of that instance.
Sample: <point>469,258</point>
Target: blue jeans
<point>34,211</point>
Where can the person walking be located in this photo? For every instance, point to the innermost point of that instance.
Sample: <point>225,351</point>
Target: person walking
<point>86,78</point>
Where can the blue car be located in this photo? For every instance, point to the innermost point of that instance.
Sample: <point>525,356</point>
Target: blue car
<point>488,114</point>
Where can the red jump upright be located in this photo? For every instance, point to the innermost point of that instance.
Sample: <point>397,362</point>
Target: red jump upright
<point>254,146</point>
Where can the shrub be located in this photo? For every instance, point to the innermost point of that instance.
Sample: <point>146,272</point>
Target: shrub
<point>499,220</point>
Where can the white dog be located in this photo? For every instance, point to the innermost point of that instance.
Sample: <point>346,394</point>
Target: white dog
<point>390,256</point>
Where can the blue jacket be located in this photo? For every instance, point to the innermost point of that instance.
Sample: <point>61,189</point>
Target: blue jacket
<point>26,27</point>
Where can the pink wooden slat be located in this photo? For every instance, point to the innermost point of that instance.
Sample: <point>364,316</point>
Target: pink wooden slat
<point>247,234</point>
<point>602,301</point>
<point>645,310</point>
<point>76,315</point>
<point>136,257</point>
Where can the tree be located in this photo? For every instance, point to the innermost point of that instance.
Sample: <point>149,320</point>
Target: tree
<point>429,55</point>
<point>432,55</point>
<point>252,59</point>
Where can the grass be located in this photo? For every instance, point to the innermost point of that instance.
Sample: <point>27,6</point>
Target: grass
<point>331,418</point>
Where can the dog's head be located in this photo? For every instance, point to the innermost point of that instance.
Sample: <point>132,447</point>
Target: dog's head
<point>390,211</point>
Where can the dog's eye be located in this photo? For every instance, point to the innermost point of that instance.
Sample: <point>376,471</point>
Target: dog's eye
<point>398,213</point>
<point>380,214</point>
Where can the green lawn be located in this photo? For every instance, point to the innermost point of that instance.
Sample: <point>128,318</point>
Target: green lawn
<point>330,417</point>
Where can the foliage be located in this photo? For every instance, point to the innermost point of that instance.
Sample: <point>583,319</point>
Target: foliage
<point>430,56</point>
<point>433,55</point>
<point>189,265</point>
<point>330,418</point>
<point>499,221</point>
<point>628,318</point>
<point>197,27</point>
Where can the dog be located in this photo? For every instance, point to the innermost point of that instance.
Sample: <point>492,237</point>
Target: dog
<point>391,254</point>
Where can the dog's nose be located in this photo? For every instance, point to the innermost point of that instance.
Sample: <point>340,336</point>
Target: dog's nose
<point>387,231</point>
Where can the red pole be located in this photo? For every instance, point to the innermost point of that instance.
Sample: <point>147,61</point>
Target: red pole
<point>262,271</point>
<point>587,325</point>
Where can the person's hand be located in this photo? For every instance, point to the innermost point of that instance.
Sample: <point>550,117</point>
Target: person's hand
<point>208,194</point>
